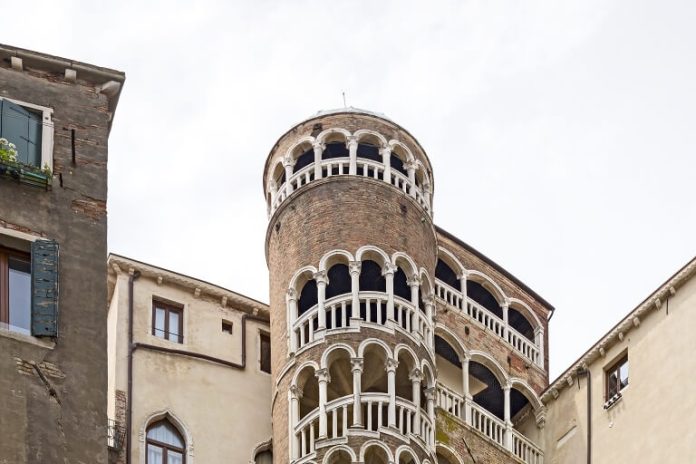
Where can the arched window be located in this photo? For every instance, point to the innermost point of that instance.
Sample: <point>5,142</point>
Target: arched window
<point>165,445</point>
<point>369,151</point>
<point>334,150</point>
<point>479,294</point>
<point>520,323</point>
<point>308,297</point>
<point>397,164</point>
<point>264,457</point>
<point>305,159</point>
<point>401,287</point>
<point>445,273</point>
<point>371,278</point>
<point>339,281</point>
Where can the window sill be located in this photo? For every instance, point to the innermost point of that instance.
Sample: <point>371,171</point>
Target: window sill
<point>43,343</point>
<point>611,402</point>
<point>26,175</point>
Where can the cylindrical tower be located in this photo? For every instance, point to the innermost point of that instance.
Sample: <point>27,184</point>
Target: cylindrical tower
<point>351,250</point>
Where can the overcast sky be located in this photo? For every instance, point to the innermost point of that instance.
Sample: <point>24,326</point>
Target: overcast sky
<point>561,132</point>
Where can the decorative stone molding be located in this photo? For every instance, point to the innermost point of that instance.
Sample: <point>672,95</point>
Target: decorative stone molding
<point>323,375</point>
<point>356,364</point>
<point>354,267</point>
<point>320,277</point>
<point>391,365</point>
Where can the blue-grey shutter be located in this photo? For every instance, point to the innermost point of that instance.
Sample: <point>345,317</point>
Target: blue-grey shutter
<point>44,288</point>
<point>23,128</point>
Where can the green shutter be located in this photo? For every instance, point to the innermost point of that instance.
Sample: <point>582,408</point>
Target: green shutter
<point>23,128</point>
<point>44,288</point>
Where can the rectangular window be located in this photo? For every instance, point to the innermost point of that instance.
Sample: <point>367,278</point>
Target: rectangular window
<point>168,321</point>
<point>227,327</point>
<point>265,352</point>
<point>29,128</point>
<point>15,290</point>
<point>617,377</point>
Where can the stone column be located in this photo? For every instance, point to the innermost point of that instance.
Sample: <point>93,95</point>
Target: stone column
<point>386,160</point>
<point>273,190</point>
<point>428,195</point>
<point>462,283</point>
<point>391,366</point>
<point>467,391</point>
<point>414,283</point>
<point>411,169</point>
<point>288,164</point>
<point>429,302</point>
<point>324,378</point>
<point>388,273</point>
<point>416,378</point>
<point>354,269</point>
<point>352,145</point>
<point>295,396</point>
<point>430,396</point>
<point>291,298</point>
<point>357,368</point>
<point>508,422</point>
<point>506,328</point>
<point>322,281</point>
<point>539,342</point>
<point>318,150</point>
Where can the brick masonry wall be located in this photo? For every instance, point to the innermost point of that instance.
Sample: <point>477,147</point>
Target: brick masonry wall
<point>61,419</point>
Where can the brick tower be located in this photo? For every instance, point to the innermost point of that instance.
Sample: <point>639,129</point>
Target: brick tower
<point>358,274</point>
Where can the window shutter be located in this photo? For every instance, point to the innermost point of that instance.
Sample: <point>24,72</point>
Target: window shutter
<point>44,288</point>
<point>22,128</point>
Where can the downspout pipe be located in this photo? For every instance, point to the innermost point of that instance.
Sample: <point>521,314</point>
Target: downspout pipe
<point>131,348</point>
<point>584,372</point>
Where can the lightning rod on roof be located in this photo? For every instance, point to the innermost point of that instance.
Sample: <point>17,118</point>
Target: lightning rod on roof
<point>344,99</point>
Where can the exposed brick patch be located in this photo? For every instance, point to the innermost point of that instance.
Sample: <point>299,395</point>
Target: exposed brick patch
<point>90,207</point>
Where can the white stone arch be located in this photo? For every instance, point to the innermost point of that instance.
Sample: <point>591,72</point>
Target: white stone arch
<point>302,367</point>
<point>489,284</point>
<point>361,134</point>
<point>523,387</point>
<point>451,260</point>
<point>491,364</point>
<point>526,311</point>
<point>428,373</point>
<point>403,147</point>
<point>403,347</point>
<point>374,341</point>
<point>260,448</point>
<point>336,448</point>
<point>176,422</point>
<point>324,363</point>
<point>426,281</point>
<point>297,277</point>
<point>449,453</point>
<point>372,252</point>
<point>321,138</point>
<point>405,449</point>
<point>400,258</point>
<point>329,260</point>
<point>374,442</point>
<point>453,339</point>
<point>291,152</point>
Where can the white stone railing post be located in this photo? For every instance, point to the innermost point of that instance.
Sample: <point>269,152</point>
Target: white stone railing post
<point>324,378</point>
<point>322,280</point>
<point>291,298</point>
<point>416,378</point>
<point>430,396</point>
<point>354,269</point>
<point>386,160</point>
<point>318,150</point>
<point>391,366</point>
<point>357,368</point>
<point>352,145</point>
<point>295,396</point>
<point>508,423</point>
<point>388,273</point>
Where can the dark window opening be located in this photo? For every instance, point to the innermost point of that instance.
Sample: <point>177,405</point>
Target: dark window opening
<point>492,397</point>
<point>265,353</point>
<point>517,402</point>
<point>23,128</point>
<point>308,297</point>
<point>305,159</point>
<point>445,350</point>
<point>339,281</point>
<point>372,280</point>
<point>445,273</point>
<point>335,150</point>
<point>479,294</point>
<point>227,327</point>
<point>168,321</point>
<point>517,321</point>
<point>398,164</point>
<point>401,287</point>
<point>617,377</point>
<point>369,151</point>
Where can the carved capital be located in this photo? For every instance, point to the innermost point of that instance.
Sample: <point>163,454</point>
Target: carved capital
<point>385,151</point>
<point>388,268</point>
<point>356,364</point>
<point>288,161</point>
<point>295,392</point>
<point>352,141</point>
<point>320,277</point>
<point>318,146</point>
<point>414,280</point>
<point>391,365</point>
<point>416,375</point>
<point>430,393</point>
<point>540,417</point>
<point>354,267</point>
<point>429,300</point>
<point>323,375</point>
<point>291,294</point>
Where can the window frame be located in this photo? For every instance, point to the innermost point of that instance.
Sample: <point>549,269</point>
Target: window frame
<point>263,334</point>
<point>615,368</point>
<point>168,306</point>
<point>47,130</point>
<point>5,254</point>
<point>164,446</point>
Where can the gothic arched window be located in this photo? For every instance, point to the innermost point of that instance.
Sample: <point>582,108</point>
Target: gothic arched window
<point>165,445</point>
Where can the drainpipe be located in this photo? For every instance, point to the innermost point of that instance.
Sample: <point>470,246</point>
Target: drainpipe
<point>585,372</point>
<point>131,280</point>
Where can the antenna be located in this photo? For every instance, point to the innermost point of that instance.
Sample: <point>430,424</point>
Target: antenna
<point>344,99</point>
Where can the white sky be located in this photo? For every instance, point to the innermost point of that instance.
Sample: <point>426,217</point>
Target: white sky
<point>561,133</point>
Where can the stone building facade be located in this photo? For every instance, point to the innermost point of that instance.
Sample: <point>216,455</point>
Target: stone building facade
<point>55,118</point>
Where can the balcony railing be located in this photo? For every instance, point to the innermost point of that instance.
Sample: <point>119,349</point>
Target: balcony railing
<point>115,434</point>
<point>489,425</point>
<point>489,321</point>
<point>340,167</point>
<point>373,310</point>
